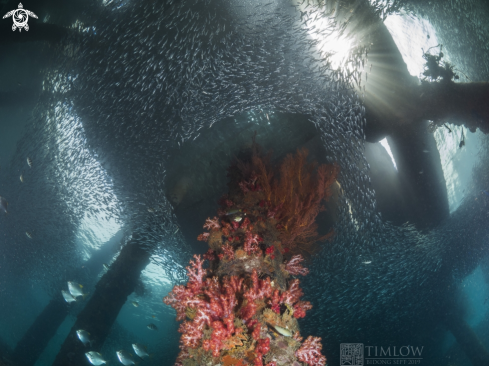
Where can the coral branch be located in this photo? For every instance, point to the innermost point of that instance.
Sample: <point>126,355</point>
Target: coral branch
<point>294,266</point>
<point>212,224</point>
<point>310,352</point>
<point>195,274</point>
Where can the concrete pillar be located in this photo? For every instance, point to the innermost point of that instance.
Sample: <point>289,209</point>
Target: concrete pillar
<point>102,309</point>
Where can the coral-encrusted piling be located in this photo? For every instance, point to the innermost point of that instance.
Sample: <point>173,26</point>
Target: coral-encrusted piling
<point>243,309</point>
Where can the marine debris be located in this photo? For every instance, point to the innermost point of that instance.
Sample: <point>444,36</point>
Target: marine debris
<point>243,308</point>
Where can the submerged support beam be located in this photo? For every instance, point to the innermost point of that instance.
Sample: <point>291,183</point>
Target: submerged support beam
<point>102,309</point>
<point>425,199</point>
<point>5,353</point>
<point>468,340</point>
<point>32,344</point>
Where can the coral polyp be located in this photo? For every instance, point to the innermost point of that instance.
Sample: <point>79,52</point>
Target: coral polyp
<point>242,308</point>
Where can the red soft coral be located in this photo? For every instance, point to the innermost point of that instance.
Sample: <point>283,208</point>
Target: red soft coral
<point>310,352</point>
<point>232,284</point>
<point>263,346</point>
<point>294,266</point>
<point>293,294</point>
<point>210,255</point>
<point>260,289</point>
<point>248,311</point>
<point>246,222</point>
<point>275,301</point>
<point>300,309</point>
<point>203,237</point>
<point>261,349</point>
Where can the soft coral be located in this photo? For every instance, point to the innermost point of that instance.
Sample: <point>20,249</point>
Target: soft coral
<point>310,352</point>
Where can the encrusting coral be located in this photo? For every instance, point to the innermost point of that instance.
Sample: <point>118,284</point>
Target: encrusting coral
<point>243,308</point>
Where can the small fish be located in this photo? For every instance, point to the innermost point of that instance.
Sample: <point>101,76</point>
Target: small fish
<point>29,235</point>
<point>67,296</point>
<point>135,304</point>
<point>75,289</point>
<point>426,151</point>
<point>3,204</point>
<point>106,266</point>
<point>140,350</point>
<point>233,211</point>
<point>84,336</point>
<point>152,326</point>
<point>283,331</point>
<point>367,262</point>
<point>95,358</point>
<point>29,162</point>
<point>125,358</point>
<point>485,192</point>
<point>238,218</point>
<point>22,178</point>
<point>150,209</point>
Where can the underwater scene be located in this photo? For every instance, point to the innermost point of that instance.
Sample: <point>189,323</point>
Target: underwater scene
<point>244,182</point>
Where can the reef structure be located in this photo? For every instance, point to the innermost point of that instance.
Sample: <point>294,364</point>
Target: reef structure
<point>243,309</point>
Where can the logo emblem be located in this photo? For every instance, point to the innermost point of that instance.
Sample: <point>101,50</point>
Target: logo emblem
<point>20,17</point>
<point>351,354</point>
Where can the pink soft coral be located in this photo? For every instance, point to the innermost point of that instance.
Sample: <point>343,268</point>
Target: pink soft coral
<point>228,251</point>
<point>294,266</point>
<point>196,275</point>
<point>310,352</point>
<point>293,294</point>
<point>212,224</point>
<point>260,290</point>
<point>251,243</point>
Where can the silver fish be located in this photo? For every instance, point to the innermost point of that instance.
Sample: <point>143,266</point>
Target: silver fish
<point>22,178</point>
<point>3,204</point>
<point>28,234</point>
<point>125,358</point>
<point>140,350</point>
<point>76,289</point>
<point>233,211</point>
<point>67,296</point>
<point>84,336</point>
<point>152,326</point>
<point>29,162</point>
<point>95,358</point>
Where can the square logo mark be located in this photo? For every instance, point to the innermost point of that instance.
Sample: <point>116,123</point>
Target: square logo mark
<point>351,354</point>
